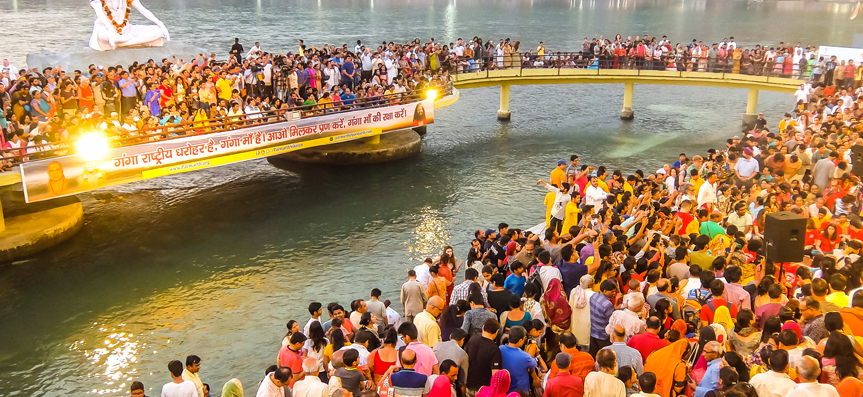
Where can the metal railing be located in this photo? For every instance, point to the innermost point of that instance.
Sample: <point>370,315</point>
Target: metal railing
<point>672,62</point>
<point>220,124</point>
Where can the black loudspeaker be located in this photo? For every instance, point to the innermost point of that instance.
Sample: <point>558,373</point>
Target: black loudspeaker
<point>857,160</point>
<point>784,233</point>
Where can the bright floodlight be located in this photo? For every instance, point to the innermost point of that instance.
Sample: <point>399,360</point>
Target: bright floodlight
<point>431,94</point>
<point>92,147</point>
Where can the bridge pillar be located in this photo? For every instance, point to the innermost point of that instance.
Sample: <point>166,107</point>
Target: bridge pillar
<point>374,140</point>
<point>626,113</point>
<point>751,114</point>
<point>503,113</point>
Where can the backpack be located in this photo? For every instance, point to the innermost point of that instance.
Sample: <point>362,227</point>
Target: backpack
<point>535,279</point>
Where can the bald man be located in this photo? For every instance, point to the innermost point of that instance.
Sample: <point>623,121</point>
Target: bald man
<point>426,322</point>
<point>409,381</point>
<point>626,356</point>
<point>809,371</point>
<point>311,385</point>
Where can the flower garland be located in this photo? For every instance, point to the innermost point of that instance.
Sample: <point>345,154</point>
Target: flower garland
<point>118,26</point>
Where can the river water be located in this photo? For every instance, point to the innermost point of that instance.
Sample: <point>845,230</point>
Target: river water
<point>215,262</point>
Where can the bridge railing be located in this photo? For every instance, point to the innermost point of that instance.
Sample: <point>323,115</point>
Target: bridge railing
<point>578,60</point>
<point>219,124</point>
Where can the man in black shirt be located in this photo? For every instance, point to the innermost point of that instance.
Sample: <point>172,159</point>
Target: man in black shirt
<point>498,296</point>
<point>761,122</point>
<point>484,358</point>
<point>237,50</point>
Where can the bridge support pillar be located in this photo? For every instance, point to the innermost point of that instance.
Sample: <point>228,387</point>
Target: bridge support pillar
<point>374,140</point>
<point>751,114</point>
<point>626,113</point>
<point>503,113</point>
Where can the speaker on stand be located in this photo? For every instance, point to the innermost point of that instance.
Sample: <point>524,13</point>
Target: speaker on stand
<point>784,236</point>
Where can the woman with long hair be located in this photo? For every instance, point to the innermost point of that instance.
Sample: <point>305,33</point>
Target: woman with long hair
<point>317,345</point>
<point>452,318</point>
<point>735,360</point>
<point>662,310</point>
<point>293,328</point>
<point>338,341</point>
<point>383,358</point>
<point>839,360</point>
<point>368,322</point>
<point>728,377</point>
<point>744,338</point>
<point>705,334</point>
<point>829,240</point>
<point>515,316</point>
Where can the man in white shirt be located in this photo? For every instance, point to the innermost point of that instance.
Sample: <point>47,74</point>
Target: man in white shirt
<point>311,385</point>
<point>647,384</point>
<point>8,68</point>
<point>802,94</point>
<point>776,382</point>
<point>558,210</point>
<point>392,68</point>
<point>594,195</point>
<point>423,274</point>
<point>274,383</point>
<point>315,310</point>
<point>193,365</point>
<point>740,218</point>
<point>707,192</point>
<point>604,383</point>
<point>178,387</point>
<point>809,371</point>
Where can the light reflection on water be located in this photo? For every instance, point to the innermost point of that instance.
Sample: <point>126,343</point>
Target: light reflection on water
<point>114,359</point>
<point>429,237</point>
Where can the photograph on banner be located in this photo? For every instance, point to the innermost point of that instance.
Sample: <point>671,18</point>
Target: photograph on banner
<point>67,175</point>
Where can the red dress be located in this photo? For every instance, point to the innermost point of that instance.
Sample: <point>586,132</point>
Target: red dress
<point>381,366</point>
<point>446,273</point>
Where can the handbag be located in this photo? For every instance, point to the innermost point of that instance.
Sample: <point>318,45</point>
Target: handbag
<point>386,389</point>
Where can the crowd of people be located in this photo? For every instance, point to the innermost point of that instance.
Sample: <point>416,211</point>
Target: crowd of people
<point>43,111</point>
<point>641,284</point>
<point>636,284</point>
<point>46,110</point>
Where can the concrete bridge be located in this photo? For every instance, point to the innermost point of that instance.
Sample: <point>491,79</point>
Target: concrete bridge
<point>629,78</point>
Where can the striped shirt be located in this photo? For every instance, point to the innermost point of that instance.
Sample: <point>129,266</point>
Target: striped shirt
<point>601,310</point>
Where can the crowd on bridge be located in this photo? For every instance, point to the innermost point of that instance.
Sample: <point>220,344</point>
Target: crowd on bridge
<point>641,283</point>
<point>49,109</point>
<point>44,111</point>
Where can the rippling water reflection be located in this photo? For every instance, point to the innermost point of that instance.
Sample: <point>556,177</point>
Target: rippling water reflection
<point>214,263</point>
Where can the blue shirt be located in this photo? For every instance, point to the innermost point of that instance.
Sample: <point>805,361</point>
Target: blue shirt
<point>347,68</point>
<point>600,311</point>
<point>348,100</point>
<point>710,381</point>
<point>515,284</point>
<point>517,362</point>
<point>571,274</point>
<point>408,382</point>
<point>746,168</point>
<point>130,90</point>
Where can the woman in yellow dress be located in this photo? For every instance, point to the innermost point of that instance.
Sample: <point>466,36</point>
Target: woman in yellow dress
<point>507,55</point>
<point>572,212</point>
<point>737,55</point>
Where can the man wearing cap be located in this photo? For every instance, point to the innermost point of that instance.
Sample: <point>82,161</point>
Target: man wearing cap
<point>746,168</point>
<point>761,122</point>
<point>558,175</point>
<point>311,385</point>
